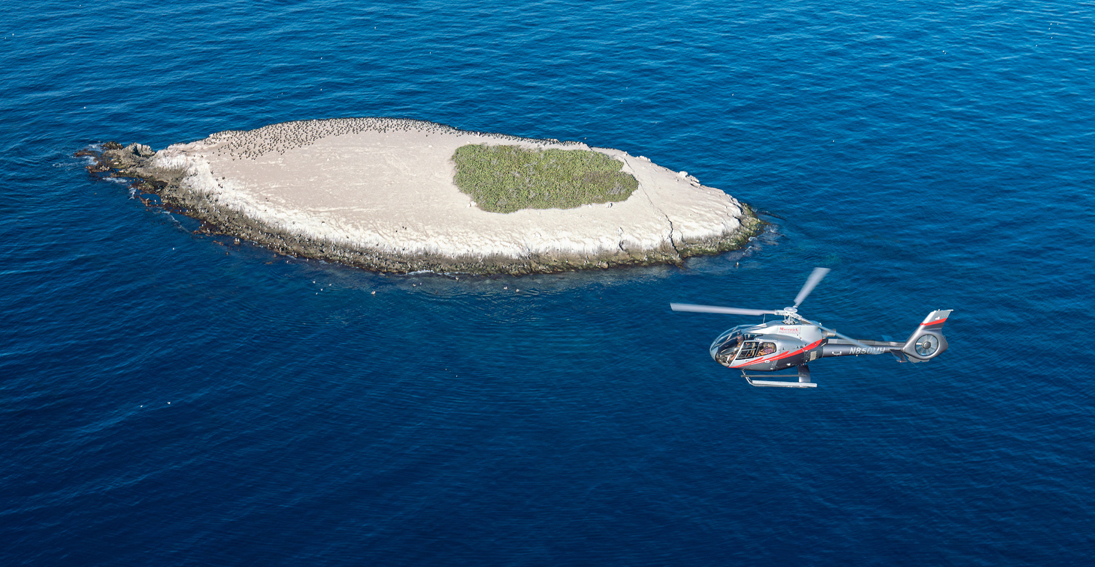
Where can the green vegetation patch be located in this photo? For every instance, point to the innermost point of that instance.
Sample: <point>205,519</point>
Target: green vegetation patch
<point>504,179</point>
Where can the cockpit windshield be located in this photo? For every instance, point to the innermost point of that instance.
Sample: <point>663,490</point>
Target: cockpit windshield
<point>726,347</point>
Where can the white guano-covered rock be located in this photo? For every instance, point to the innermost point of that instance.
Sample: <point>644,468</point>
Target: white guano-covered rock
<point>387,185</point>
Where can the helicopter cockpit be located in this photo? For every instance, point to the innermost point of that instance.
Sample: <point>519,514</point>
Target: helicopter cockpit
<point>736,344</point>
<point>726,346</point>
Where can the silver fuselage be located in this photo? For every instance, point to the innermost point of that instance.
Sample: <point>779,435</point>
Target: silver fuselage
<point>777,345</point>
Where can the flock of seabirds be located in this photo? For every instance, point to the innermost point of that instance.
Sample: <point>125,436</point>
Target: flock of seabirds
<point>278,138</point>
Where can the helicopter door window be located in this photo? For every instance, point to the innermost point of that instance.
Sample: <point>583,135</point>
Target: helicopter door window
<point>766,349</point>
<point>748,350</point>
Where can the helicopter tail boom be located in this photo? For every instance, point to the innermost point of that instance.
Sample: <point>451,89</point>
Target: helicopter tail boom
<point>924,344</point>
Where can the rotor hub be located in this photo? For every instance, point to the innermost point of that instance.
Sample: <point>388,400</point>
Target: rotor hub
<point>790,315</point>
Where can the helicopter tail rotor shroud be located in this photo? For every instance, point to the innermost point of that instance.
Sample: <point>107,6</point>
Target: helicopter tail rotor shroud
<point>927,341</point>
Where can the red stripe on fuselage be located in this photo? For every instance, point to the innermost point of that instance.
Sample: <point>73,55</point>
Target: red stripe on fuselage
<point>779,356</point>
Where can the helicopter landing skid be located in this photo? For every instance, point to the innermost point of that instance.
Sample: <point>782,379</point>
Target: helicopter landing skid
<point>803,379</point>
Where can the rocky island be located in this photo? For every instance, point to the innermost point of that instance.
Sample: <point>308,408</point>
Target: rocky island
<point>398,195</point>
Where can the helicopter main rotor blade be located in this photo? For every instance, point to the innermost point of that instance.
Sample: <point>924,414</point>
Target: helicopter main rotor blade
<point>811,282</point>
<point>850,339</point>
<point>714,309</point>
<point>834,332</point>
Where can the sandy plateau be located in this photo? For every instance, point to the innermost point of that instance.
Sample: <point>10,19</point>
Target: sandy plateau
<point>380,194</point>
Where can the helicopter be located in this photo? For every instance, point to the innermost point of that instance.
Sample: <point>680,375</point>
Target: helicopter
<point>796,341</point>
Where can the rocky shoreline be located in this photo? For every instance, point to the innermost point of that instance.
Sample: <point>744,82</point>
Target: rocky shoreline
<point>138,162</point>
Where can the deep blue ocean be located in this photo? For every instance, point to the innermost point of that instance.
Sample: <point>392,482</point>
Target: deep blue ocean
<point>168,398</point>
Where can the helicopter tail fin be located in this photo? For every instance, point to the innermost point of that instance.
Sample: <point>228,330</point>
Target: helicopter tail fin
<point>927,341</point>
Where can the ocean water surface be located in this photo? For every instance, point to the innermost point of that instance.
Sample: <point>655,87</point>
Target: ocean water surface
<point>174,399</point>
